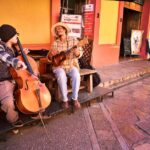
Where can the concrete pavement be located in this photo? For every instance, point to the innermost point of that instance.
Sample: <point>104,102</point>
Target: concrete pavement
<point>118,123</point>
<point>124,71</point>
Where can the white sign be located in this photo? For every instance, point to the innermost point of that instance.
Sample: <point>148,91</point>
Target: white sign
<point>74,22</point>
<point>136,41</point>
<point>88,8</point>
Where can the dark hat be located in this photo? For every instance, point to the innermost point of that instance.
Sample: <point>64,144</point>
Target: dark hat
<point>7,32</point>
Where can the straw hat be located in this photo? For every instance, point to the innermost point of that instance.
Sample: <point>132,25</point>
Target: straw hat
<point>59,24</point>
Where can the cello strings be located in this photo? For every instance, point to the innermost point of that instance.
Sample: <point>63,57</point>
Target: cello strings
<point>45,129</point>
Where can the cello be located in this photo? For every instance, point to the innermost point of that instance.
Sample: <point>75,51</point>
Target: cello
<point>31,95</point>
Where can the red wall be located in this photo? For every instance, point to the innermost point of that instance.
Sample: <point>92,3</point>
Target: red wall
<point>55,13</point>
<point>145,21</point>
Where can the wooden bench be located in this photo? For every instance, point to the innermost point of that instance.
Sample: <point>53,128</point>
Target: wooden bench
<point>50,80</point>
<point>89,81</point>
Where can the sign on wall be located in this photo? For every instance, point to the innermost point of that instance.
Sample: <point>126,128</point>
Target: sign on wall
<point>88,20</point>
<point>136,41</point>
<point>74,22</point>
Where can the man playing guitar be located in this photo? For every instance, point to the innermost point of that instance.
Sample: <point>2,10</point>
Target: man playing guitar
<point>69,66</point>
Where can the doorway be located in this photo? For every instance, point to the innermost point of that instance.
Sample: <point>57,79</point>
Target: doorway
<point>131,21</point>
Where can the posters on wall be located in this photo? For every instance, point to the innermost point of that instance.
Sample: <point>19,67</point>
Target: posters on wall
<point>136,41</point>
<point>74,22</point>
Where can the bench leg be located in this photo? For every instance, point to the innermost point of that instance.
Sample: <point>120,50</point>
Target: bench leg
<point>113,94</point>
<point>57,94</point>
<point>90,83</point>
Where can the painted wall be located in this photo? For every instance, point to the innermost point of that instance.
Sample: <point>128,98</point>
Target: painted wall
<point>55,13</point>
<point>108,22</point>
<point>149,25</point>
<point>106,46</point>
<point>145,22</point>
<point>30,17</point>
<point>149,28</point>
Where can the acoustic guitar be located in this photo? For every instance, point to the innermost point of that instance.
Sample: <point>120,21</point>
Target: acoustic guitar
<point>58,59</point>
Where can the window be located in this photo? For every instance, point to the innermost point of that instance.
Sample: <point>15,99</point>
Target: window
<point>72,6</point>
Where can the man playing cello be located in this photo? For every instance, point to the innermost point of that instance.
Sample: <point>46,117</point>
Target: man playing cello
<point>8,36</point>
<point>8,57</point>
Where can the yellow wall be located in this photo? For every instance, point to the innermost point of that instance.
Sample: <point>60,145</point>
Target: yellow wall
<point>108,22</point>
<point>30,17</point>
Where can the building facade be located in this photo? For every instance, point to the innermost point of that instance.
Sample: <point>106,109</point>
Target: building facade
<point>113,21</point>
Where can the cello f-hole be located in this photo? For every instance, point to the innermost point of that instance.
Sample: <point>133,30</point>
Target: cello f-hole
<point>26,85</point>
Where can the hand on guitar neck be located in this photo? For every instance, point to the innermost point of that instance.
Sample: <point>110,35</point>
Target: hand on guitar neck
<point>76,52</point>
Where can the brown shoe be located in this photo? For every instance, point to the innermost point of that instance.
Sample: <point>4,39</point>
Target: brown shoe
<point>77,104</point>
<point>65,105</point>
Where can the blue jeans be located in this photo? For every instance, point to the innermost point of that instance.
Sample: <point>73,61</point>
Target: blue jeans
<point>61,76</point>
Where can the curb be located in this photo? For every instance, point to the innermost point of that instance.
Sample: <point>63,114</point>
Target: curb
<point>125,78</point>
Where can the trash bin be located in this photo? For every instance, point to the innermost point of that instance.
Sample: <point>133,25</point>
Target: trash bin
<point>148,48</point>
<point>127,46</point>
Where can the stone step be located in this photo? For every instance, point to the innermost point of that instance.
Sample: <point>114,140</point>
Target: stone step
<point>137,74</point>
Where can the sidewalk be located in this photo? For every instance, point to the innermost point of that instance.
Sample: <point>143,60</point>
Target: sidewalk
<point>124,71</point>
<point>121,122</point>
<point>128,113</point>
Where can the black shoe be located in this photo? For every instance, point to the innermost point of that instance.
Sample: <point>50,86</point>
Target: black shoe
<point>18,123</point>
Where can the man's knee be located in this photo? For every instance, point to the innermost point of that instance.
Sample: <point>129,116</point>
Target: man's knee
<point>60,74</point>
<point>9,108</point>
<point>7,105</point>
<point>75,74</point>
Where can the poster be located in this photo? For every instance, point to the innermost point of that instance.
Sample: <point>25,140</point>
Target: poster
<point>136,41</point>
<point>88,20</point>
<point>74,22</point>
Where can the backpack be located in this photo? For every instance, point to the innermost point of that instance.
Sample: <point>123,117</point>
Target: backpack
<point>96,76</point>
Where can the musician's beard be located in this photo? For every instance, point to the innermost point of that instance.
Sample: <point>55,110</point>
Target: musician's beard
<point>58,36</point>
<point>62,37</point>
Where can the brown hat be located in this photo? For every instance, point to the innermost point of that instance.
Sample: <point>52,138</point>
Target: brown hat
<point>7,32</point>
<point>53,30</point>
